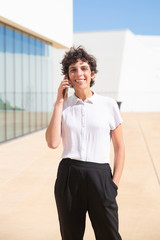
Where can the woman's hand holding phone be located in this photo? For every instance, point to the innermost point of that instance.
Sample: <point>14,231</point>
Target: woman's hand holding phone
<point>63,90</point>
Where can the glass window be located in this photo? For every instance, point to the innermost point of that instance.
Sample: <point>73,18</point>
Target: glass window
<point>18,61</point>
<point>2,85</point>
<point>50,81</point>
<point>2,118</point>
<point>25,84</point>
<point>9,82</point>
<point>39,58</point>
<point>18,115</point>
<point>44,89</point>
<point>18,83</point>
<point>26,94</point>
<point>32,78</point>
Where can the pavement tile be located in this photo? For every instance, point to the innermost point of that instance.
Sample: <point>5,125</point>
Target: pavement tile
<point>28,172</point>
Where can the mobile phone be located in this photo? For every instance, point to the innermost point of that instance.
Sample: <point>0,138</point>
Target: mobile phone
<point>65,91</point>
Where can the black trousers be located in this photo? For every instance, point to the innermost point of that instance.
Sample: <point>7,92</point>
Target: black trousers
<point>85,186</point>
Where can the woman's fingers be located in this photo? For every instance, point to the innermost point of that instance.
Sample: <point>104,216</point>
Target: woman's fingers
<point>65,84</point>
<point>62,93</point>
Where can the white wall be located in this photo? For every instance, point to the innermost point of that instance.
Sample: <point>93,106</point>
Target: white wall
<point>107,47</point>
<point>50,18</point>
<point>108,68</point>
<point>129,67</point>
<point>57,75</point>
<point>139,86</point>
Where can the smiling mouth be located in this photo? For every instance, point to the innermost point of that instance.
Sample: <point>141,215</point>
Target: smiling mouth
<point>80,80</point>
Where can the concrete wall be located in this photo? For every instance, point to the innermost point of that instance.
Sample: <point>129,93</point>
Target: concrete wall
<point>108,52</point>
<point>139,86</point>
<point>108,67</point>
<point>129,67</point>
<point>50,18</point>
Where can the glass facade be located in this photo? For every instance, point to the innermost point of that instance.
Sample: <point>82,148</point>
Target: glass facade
<point>26,91</point>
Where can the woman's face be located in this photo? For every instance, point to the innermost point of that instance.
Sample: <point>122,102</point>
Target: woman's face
<point>80,75</point>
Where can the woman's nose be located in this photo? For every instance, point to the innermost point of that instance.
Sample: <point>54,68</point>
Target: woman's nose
<point>79,72</point>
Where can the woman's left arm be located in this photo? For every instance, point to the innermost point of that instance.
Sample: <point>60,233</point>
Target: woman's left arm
<point>119,153</point>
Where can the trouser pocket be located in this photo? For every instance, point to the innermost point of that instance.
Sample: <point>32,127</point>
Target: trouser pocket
<point>114,185</point>
<point>113,188</point>
<point>62,176</point>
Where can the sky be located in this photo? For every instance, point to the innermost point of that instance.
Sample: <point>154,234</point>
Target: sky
<point>142,17</point>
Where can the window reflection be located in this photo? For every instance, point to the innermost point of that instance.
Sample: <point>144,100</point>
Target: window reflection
<point>39,94</point>
<point>2,85</point>
<point>9,74</point>
<point>26,83</point>
<point>32,83</point>
<point>18,83</point>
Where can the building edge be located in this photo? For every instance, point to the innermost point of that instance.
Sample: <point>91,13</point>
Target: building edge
<point>35,34</point>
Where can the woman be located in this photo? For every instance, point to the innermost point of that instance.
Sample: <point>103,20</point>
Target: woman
<point>86,122</point>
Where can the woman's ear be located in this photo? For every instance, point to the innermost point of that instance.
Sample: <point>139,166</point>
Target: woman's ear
<point>92,74</point>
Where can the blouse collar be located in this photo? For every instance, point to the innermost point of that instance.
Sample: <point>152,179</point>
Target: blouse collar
<point>89,100</point>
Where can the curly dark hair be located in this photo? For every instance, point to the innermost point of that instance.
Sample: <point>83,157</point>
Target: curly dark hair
<point>73,55</point>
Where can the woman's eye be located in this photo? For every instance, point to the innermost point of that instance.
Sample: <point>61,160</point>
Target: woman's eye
<point>73,70</point>
<point>84,68</point>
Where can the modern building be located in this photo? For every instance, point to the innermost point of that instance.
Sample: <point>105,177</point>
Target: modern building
<point>33,39</point>
<point>129,67</point>
<point>27,63</point>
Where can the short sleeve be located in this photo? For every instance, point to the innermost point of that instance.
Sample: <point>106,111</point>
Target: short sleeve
<point>115,115</point>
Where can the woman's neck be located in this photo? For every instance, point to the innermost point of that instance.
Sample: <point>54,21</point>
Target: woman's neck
<point>83,94</point>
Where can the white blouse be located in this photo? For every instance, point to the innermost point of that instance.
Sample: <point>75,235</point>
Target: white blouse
<point>86,127</point>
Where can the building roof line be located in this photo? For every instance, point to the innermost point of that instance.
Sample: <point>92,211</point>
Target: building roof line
<point>35,34</point>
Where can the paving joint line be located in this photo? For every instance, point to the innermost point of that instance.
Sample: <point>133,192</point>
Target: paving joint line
<point>149,152</point>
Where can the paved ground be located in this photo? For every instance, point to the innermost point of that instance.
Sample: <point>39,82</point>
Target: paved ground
<point>28,170</point>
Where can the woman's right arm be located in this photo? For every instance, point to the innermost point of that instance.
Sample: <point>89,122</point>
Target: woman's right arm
<point>53,132</point>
